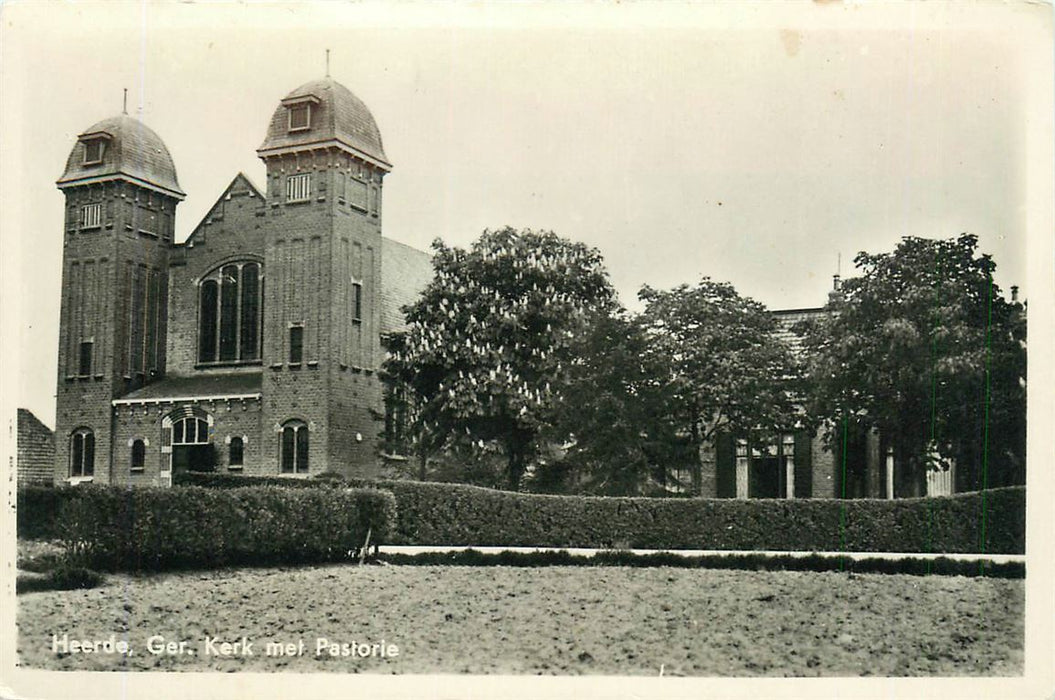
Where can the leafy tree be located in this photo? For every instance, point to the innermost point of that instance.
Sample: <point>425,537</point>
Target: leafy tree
<point>923,347</point>
<point>617,434</point>
<point>724,366</point>
<point>489,342</point>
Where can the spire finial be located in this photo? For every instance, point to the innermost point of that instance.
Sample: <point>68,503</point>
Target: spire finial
<point>124,106</point>
<point>327,63</point>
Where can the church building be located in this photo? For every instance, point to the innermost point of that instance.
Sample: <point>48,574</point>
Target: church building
<point>252,347</point>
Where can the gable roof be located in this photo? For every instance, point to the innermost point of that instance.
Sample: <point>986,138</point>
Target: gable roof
<point>786,320</point>
<point>241,186</point>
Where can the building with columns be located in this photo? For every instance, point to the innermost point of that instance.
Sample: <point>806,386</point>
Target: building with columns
<point>253,346</point>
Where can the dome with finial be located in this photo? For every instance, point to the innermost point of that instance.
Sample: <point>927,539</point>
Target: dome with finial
<point>119,147</point>
<point>321,112</point>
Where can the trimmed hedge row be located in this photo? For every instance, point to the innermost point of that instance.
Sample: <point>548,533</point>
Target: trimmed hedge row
<point>459,515</point>
<point>150,529</point>
<point>37,511</point>
<point>941,566</point>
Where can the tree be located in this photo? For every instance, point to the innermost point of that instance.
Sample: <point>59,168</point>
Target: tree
<point>488,343</point>
<point>725,367</point>
<point>617,436</point>
<point>922,347</point>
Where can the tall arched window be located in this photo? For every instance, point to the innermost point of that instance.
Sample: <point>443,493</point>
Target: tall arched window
<point>230,302</point>
<point>139,454</point>
<point>294,458</point>
<point>236,452</point>
<point>82,452</point>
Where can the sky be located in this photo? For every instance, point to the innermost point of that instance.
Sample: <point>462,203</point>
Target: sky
<point>761,145</point>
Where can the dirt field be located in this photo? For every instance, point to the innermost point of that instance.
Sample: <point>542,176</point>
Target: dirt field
<point>554,620</point>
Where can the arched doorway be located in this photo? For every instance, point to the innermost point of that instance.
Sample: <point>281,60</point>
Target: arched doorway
<point>187,437</point>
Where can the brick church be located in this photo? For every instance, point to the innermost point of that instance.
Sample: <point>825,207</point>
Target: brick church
<point>253,346</point>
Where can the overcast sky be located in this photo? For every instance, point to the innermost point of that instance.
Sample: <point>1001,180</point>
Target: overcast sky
<point>754,148</point>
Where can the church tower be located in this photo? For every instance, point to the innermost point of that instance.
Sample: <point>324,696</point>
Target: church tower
<point>322,296</point>
<point>121,194</point>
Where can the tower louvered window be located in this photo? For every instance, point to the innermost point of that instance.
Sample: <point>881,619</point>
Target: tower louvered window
<point>91,215</point>
<point>230,304</point>
<point>298,188</point>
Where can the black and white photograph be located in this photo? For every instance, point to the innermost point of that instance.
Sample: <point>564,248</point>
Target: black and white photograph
<point>527,349</point>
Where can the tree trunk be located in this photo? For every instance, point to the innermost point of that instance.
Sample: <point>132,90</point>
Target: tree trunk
<point>697,464</point>
<point>423,463</point>
<point>516,449</point>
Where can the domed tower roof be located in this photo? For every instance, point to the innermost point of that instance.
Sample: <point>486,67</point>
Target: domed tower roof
<point>121,148</point>
<point>322,112</point>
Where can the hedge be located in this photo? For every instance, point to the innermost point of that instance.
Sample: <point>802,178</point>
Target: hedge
<point>37,511</point>
<point>940,566</point>
<point>460,515</point>
<point>150,529</point>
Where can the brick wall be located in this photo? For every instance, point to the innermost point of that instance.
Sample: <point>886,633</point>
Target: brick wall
<point>231,231</point>
<point>144,422</point>
<point>316,252</point>
<point>100,268</point>
<point>823,469</point>
<point>36,450</point>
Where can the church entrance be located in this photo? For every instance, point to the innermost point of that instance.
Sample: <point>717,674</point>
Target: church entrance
<point>192,458</point>
<point>191,449</point>
<point>188,441</point>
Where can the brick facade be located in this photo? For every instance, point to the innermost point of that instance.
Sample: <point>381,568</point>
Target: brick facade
<point>203,328</point>
<point>36,450</point>
<point>819,471</point>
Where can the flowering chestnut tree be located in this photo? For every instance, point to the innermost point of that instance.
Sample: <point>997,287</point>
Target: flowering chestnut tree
<point>489,343</point>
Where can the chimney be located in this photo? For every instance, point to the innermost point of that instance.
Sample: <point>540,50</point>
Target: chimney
<point>836,282</point>
<point>1014,293</point>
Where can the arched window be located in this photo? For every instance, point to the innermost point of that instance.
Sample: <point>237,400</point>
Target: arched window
<point>139,454</point>
<point>235,452</point>
<point>190,431</point>
<point>294,458</point>
<point>230,302</point>
<point>82,452</point>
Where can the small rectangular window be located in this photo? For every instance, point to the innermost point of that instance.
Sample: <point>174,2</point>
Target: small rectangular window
<point>84,366</point>
<point>91,215</point>
<point>93,151</point>
<point>299,117</point>
<point>357,301</point>
<point>298,187</point>
<point>296,344</point>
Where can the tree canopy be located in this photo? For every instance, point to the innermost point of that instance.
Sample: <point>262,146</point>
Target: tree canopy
<point>616,430</point>
<point>724,365</point>
<point>488,345</point>
<point>923,347</point>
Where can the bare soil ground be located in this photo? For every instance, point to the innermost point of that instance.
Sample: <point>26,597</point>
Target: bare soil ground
<point>553,620</point>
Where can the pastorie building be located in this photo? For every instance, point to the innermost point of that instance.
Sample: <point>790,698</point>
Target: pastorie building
<point>253,346</point>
